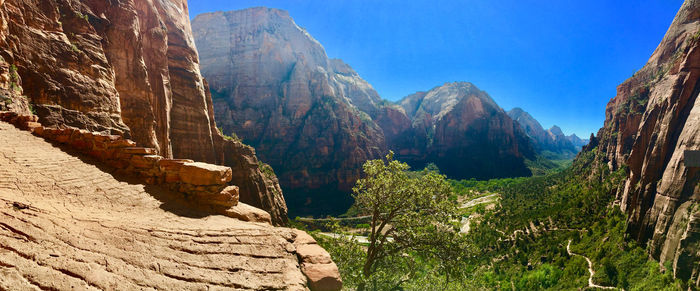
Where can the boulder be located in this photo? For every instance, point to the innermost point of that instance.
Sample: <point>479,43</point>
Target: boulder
<point>145,162</point>
<point>249,213</point>
<point>227,197</point>
<point>204,174</point>
<point>323,277</point>
<point>302,237</point>
<point>171,168</point>
<point>313,254</point>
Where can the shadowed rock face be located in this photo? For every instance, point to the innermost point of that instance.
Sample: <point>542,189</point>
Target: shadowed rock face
<point>274,86</point>
<point>128,67</point>
<point>552,139</point>
<point>652,120</point>
<point>465,133</point>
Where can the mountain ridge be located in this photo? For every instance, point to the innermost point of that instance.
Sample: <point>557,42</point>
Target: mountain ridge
<point>316,121</point>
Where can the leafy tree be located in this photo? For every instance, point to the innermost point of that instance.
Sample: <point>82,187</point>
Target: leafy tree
<point>410,213</point>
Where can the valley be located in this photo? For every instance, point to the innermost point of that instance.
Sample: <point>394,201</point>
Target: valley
<point>316,121</point>
<point>144,147</point>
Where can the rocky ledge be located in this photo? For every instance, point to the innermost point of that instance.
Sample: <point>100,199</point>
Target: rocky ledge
<point>70,224</point>
<point>200,183</point>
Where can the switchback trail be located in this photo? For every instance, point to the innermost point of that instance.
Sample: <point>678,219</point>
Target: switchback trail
<point>591,284</point>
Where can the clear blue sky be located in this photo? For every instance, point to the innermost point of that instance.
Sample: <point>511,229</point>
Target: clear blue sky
<point>560,60</point>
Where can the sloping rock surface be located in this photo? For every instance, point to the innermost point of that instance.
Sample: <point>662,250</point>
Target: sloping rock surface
<point>653,119</point>
<point>67,224</point>
<point>128,67</point>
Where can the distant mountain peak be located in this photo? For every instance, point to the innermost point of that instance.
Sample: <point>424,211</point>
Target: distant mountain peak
<point>552,139</point>
<point>441,99</point>
<point>556,130</point>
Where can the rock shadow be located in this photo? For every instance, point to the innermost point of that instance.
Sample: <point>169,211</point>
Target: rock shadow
<point>171,201</point>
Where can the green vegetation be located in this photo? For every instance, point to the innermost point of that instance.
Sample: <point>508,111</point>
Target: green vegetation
<point>82,16</point>
<point>232,137</point>
<point>519,245</point>
<point>266,170</point>
<point>74,48</point>
<point>543,165</point>
<point>14,79</point>
<point>410,214</point>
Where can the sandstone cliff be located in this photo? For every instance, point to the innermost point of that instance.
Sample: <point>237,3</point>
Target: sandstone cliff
<point>552,140</point>
<point>652,120</point>
<point>127,67</point>
<point>274,87</point>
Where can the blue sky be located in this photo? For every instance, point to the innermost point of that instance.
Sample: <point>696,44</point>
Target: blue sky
<point>560,60</point>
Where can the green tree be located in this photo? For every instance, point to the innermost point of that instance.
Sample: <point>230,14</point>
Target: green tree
<point>409,214</point>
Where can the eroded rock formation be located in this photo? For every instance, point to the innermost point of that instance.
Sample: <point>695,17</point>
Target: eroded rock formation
<point>127,67</point>
<point>652,120</point>
<point>274,87</point>
<point>69,224</point>
<point>465,133</point>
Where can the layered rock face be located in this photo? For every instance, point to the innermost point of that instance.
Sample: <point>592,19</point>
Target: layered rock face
<point>71,224</point>
<point>274,87</point>
<point>552,140</point>
<point>653,119</point>
<point>130,68</point>
<point>465,133</point>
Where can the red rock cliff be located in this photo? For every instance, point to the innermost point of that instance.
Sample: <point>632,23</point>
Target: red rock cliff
<point>275,87</point>
<point>129,67</point>
<point>652,120</point>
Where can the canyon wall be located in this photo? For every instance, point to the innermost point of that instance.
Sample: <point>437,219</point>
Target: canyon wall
<point>653,119</point>
<point>274,86</point>
<point>316,121</point>
<point>129,68</point>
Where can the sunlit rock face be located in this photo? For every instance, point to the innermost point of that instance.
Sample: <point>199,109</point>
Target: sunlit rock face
<point>653,119</point>
<point>128,67</point>
<point>305,114</point>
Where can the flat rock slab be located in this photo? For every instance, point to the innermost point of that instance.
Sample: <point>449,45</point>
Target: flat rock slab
<point>205,174</point>
<point>139,151</point>
<point>67,225</point>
